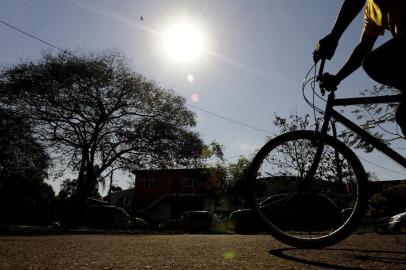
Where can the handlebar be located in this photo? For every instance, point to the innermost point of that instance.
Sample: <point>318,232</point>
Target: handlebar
<point>321,69</point>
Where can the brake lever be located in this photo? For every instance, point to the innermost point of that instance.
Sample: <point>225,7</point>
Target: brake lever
<point>321,69</point>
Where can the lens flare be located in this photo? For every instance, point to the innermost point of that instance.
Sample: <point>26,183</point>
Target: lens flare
<point>190,78</point>
<point>229,255</point>
<point>195,98</point>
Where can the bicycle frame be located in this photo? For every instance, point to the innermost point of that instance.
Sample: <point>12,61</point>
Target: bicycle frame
<point>378,144</point>
<point>331,113</point>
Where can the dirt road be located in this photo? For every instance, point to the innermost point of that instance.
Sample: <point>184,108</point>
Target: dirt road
<point>195,252</point>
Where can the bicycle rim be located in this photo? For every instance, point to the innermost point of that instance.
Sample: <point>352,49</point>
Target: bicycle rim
<point>313,214</point>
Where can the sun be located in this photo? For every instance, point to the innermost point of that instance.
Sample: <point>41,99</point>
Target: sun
<point>183,42</point>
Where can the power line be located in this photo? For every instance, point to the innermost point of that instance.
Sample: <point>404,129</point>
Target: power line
<point>230,120</point>
<point>32,36</point>
<point>379,166</point>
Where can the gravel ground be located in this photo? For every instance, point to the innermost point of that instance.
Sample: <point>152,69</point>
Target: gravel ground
<point>195,252</point>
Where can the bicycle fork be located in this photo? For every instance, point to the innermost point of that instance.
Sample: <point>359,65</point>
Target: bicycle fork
<point>320,145</point>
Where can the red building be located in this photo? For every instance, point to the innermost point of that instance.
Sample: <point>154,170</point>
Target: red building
<point>164,194</point>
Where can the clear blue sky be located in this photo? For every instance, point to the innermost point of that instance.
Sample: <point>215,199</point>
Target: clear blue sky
<point>258,54</point>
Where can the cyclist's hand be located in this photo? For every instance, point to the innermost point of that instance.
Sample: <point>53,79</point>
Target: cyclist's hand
<point>328,82</point>
<point>325,48</point>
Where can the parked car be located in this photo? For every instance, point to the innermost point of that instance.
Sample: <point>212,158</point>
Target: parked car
<point>397,223</point>
<point>139,223</point>
<point>191,221</point>
<point>107,216</point>
<point>246,221</point>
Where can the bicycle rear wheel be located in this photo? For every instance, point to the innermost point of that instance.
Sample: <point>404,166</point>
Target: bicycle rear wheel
<point>308,212</point>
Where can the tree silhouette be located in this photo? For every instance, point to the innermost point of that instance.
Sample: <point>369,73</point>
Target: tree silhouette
<point>96,114</point>
<point>375,118</point>
<point>24,196</point>
<point>298,154</point>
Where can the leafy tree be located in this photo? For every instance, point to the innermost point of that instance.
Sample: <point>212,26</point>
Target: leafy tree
<point>228,183</point>
<point>24,197</point>
<point>237,171</point>
<point>298,155</point>
<point>375,118</point>
<point>236,181</point>
<point>215,187</point>
<point>97,115</point>
<point>69,188</point>
<point>214,150</point>
<point>292,123</point>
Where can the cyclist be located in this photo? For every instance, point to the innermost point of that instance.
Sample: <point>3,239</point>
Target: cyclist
<point>387,63</point>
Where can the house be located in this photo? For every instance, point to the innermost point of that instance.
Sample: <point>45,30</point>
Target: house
<point>160,195</point>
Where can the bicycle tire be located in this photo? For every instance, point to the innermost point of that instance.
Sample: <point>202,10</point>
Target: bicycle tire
<point>270,213</point>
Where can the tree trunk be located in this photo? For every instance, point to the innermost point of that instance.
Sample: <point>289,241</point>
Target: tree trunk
<point>83,177</point>
<point>76,212</point>
<point>111,182</point>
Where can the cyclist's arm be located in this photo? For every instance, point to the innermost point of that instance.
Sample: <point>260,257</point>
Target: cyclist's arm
<point>349,10</point>
<point>327,45</point>
<point>354,62</point>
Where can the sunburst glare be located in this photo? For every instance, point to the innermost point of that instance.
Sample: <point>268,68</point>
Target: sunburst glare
<point>183,42</point>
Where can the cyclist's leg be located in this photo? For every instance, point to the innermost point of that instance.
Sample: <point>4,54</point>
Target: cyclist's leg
<point>387,65</point>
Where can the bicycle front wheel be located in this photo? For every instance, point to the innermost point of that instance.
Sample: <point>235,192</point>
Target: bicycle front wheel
<point>308,211</point>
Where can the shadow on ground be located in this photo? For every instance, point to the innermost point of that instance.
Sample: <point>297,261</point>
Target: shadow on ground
<point>327,258</point>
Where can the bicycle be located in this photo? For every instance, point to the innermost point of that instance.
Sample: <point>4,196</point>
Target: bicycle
<point>310,188</point>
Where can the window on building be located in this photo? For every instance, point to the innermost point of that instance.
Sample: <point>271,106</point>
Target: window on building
<point>148,182</point>
<point>191,182</point>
